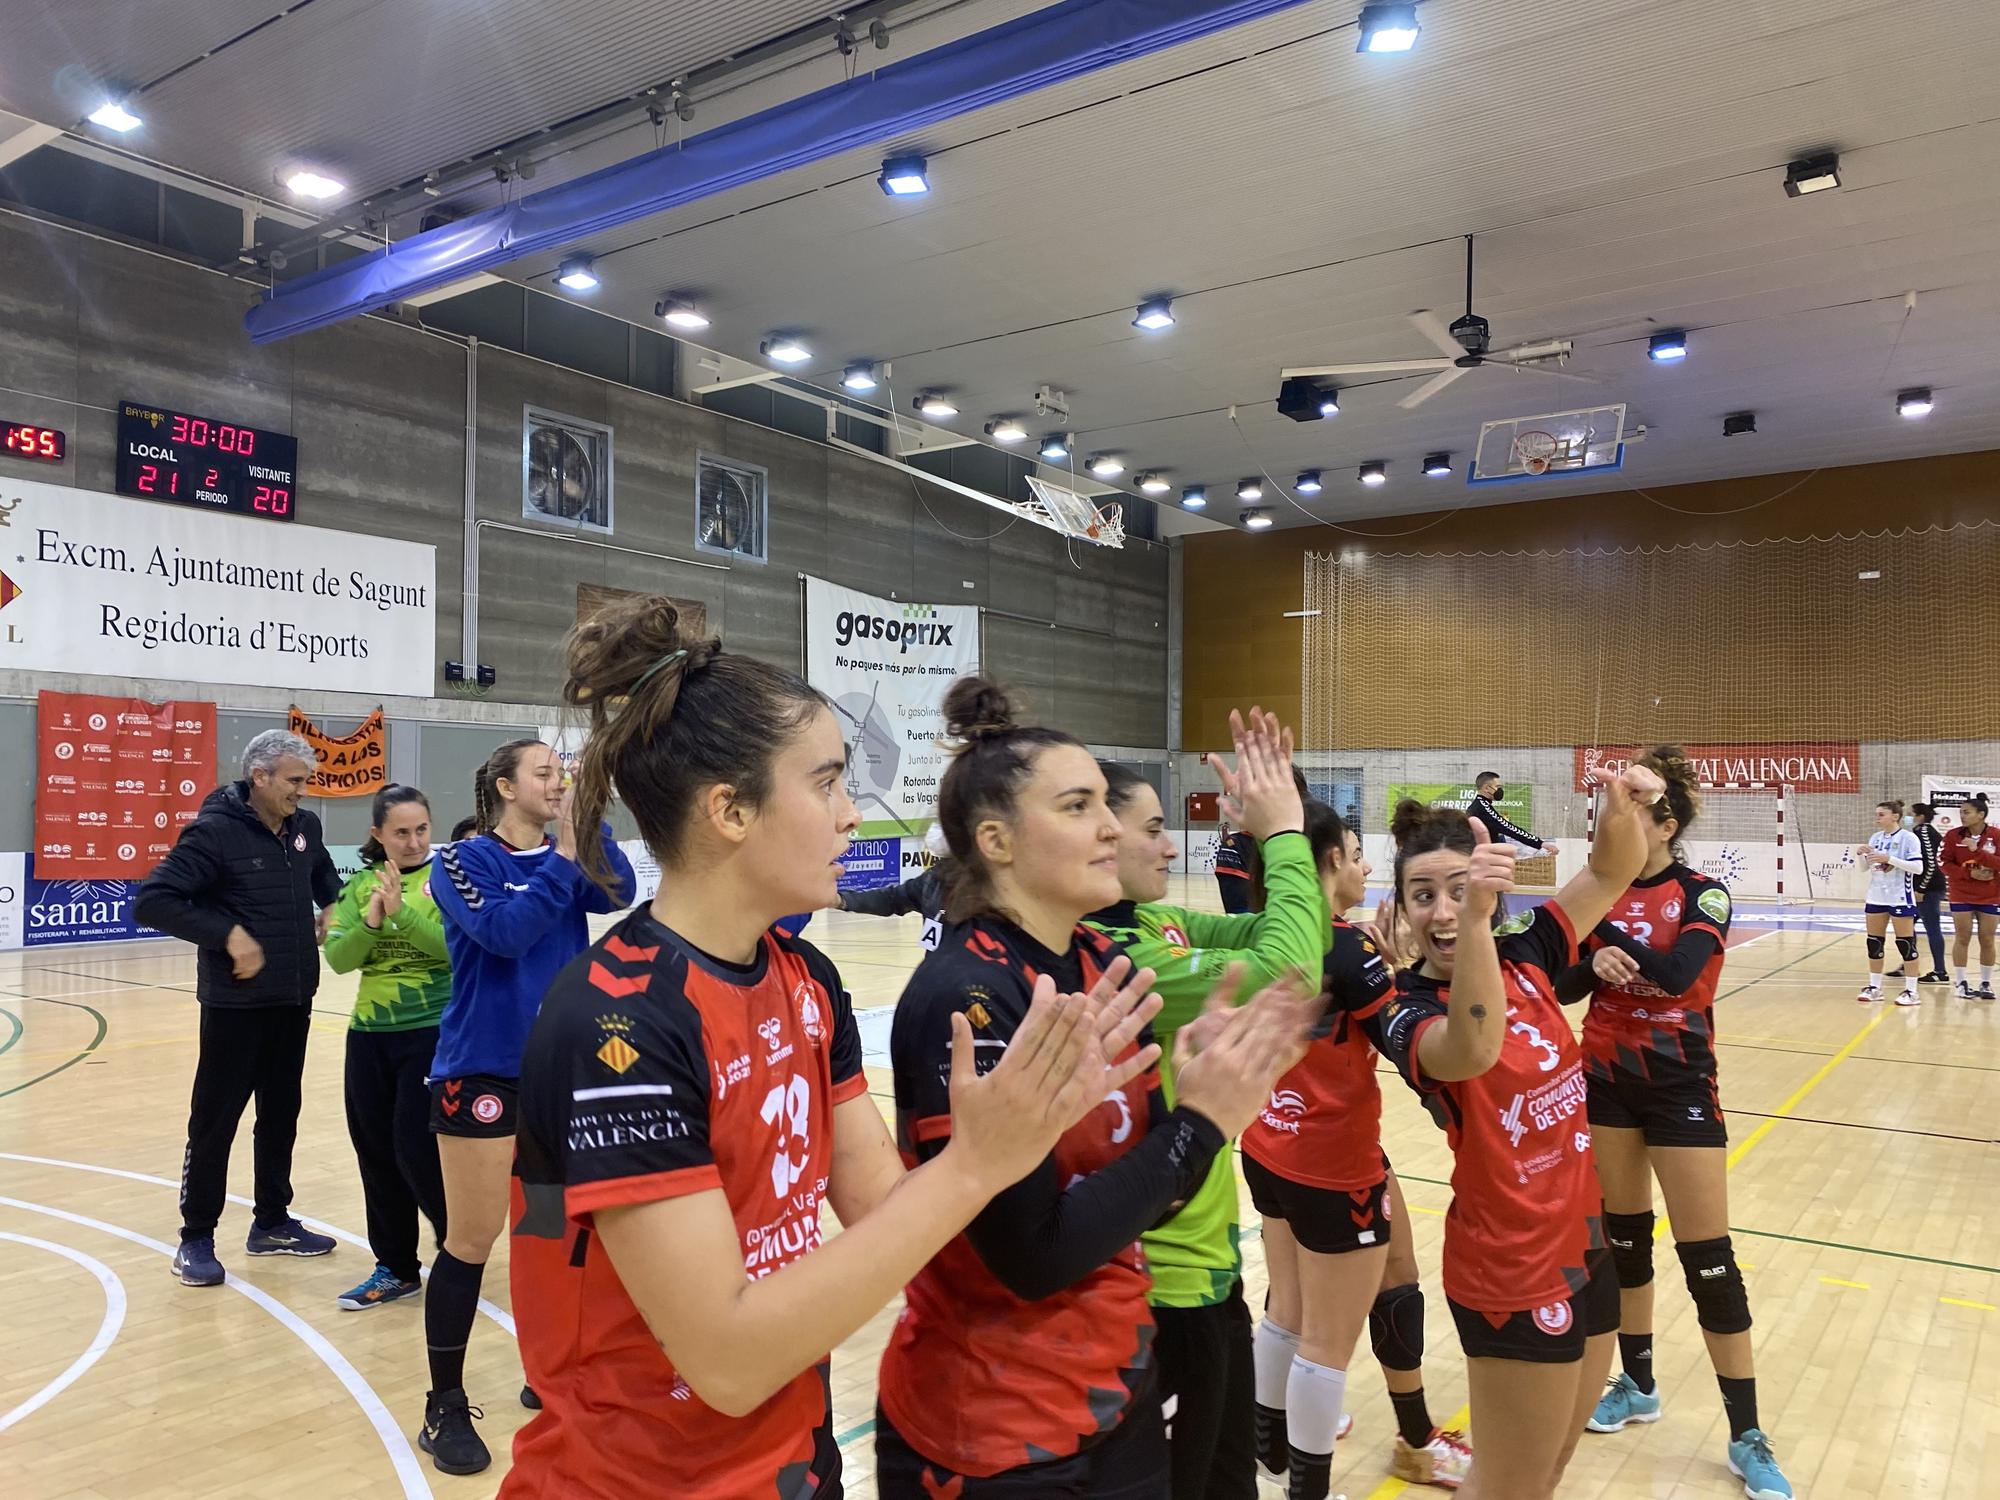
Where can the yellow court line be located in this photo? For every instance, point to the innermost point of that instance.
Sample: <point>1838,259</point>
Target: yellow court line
<point>1975,1306</point>
<point>1859,1286</point>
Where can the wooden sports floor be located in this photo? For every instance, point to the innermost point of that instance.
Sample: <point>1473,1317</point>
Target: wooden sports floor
<point>1865,1202</point>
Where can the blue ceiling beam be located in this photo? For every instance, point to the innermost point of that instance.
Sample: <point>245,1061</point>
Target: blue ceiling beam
<point>1005,62</point>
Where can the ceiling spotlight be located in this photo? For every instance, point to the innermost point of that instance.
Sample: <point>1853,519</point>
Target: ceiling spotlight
<point>1307,400</point>
<point>578,274</point>
<point>1195,496</point>
<point>681,313</point>
<point>1154,314</point>
<point>1006,430</point>
<point>1812,174</point>
<point>1437,465</point>
<point>1308,483</point>
<point>933,404</point>
<point>1055,448</point>
<point>1738,422</point>
<point>1915,402</point>
<point>1153,484</point>
<point>113,115</point>
<point>1375,471</point>
<point>859,376</point>
<point>1257,520</point>
<point>904,177</point>
<point>1106,465</point>
<point>784,349</point>
<point>313,185</point>
<point>1388,28</point>
<point>1250,489</point>
<point>1664,348</point>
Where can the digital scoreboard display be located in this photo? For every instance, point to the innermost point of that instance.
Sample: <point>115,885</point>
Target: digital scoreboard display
<point>44,445</point>
<point>190,460</point>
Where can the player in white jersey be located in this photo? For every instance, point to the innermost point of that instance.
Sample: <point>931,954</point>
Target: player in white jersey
<point>1893,857</point>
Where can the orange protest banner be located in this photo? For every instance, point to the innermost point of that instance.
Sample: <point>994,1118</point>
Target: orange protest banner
<point>352,765</point>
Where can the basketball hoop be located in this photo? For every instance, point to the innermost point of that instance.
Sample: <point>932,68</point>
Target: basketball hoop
<point>1536,450</point>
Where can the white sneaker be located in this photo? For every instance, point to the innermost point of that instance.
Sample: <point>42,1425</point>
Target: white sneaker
<point>1445,1461</point>
<point>1961,991</point>
<point>1909,997</point>
<point>1869,992</point>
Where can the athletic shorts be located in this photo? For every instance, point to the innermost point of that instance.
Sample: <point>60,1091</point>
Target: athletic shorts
<point>1552,1335</point>
<point>1127,1463</point>
<point>1326,1221</point>
<point>1673,1102</point>
<point>1873,910</point>
<point>1983,908</point>
<point>478,1106</point>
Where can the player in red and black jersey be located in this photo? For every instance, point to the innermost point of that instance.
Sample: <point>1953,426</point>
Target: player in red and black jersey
<point>691,1095</point>
<point>1236,870</point>
<point>1656,1112</point>
<point>1476,1024</point>
<point>1022,1364</point>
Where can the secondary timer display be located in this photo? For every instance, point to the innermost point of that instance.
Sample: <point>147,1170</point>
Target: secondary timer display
<point>45,445</point>
<point>190,460</point>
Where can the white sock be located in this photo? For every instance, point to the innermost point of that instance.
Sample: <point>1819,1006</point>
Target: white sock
<point>1874,981</point>
<point>1986,976</point>
<point>1313,1397</point>
<point>1272,1350</point>
<point>1960,972</point>
<point>1910,979</point>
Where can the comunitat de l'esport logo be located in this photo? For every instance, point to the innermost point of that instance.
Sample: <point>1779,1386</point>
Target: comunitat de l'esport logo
<point>919,626</point>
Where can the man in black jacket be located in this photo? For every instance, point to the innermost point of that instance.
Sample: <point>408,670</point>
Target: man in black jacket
<point>245,884</point>
<point>1487,790</point>
<point>1930,888</point>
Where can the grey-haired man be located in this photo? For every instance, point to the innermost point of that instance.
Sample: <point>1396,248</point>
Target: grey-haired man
<point>246,884</point>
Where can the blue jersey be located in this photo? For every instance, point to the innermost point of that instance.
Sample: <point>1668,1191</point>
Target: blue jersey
<point>512,919</point>
<point>1894,884</point>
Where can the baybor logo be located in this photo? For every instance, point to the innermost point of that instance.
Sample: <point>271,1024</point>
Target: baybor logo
<point>919,626</point>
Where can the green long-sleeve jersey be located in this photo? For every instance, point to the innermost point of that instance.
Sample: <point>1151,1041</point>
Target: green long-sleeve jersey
<point>405,970</point>
<point>1195,1255</point>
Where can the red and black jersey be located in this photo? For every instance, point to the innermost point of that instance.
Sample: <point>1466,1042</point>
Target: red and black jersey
<point>1962,852</point>
<point>1524,1213</point>
<point>655,1070</point>
<point>975,1377</point>
<point>1323,1124</point>
<point>1238,861</point>
<point>1660,913</point>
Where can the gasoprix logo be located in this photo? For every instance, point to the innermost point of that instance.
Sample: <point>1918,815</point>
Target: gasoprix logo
<point>918,625</point>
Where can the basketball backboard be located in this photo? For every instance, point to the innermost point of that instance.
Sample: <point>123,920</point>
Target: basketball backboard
<point>1589,439</point>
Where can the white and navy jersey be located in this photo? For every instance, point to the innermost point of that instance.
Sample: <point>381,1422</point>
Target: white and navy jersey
<point>1889,885</point>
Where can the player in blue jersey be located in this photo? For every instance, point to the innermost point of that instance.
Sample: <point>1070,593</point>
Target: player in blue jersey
<point>1894,858</point>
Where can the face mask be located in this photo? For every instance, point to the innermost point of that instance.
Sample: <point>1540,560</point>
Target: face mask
<point>1497,793</point>
<point>1908,821</point>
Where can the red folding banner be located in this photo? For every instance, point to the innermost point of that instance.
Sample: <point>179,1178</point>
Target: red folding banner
<point>120,777</point>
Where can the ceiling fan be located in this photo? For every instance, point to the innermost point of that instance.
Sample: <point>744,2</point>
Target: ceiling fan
<point>1466,343</point>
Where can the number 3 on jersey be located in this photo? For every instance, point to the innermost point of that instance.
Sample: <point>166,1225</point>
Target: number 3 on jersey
<point>789,1107</point>
<point>1551,1055</point>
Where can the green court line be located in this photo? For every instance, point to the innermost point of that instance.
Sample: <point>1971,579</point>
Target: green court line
<point>14,1021</point>
<point>103,1027</point>
<point>858,1430</point>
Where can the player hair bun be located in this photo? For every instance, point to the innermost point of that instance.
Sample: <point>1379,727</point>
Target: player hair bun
<point>1978,800</point>
<point>610,654</point>
<point>977,708</point>
<point>1408,820</point>
<point>1894,805</point>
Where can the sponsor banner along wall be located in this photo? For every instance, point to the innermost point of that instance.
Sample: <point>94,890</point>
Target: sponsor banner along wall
<point>887,666</point>
<point>98,584</point>
<point>350,765</point>
<point>119,779</point>
<point>1948,793</point>
<point>1833,767</point>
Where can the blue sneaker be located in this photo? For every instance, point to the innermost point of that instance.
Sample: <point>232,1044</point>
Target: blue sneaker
<point>382,1285</point>
<point>195,1264</point>
<point>1751,1460</point>
<point>1623,1403</point>
<point>286,1237</point>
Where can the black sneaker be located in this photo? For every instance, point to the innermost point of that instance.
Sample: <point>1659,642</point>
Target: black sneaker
<point>195,1263</point>
<point>529,1399</point>
<point>286,1237</point>
<point>447,1435</point>
<point>1936,976</point>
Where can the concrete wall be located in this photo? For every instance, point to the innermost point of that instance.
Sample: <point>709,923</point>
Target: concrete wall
<point>379,411</point>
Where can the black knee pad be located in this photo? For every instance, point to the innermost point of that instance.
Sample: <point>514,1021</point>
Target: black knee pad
<point>1720,1303</point>
<point>1631,1237</point>
<point>1876,947</point>
<point>1908,948</point>
<point>1396,1327</point>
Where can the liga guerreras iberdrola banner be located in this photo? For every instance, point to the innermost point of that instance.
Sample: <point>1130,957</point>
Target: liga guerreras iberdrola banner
<point>119,779</point>
<point>887,667</point>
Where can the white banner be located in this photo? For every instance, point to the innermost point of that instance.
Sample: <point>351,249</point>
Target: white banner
<point>887,667</point>
<point>97,584</point>
<point>13,881</point>
<point>1946,793</point>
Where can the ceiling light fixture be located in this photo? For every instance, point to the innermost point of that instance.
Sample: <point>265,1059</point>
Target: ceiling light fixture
<point>1388,28</point>
<point>1668,346</point>
<point>904,177</point>
<point>1437,465</point>
<point>1375,471</point>
<point>578,274</point>
<point>1307,400</point>
<point>936,405</point>
<point>1154,314</point>
<point>1812,174</point>
<point>1006,430</point>
<point>1055,448</point>
<point>1106,465</point>
<point>113,115</point>
<point>1250,489</point>
<point>1257,520</point>
<point>1308,483</point>
<point>681,313</point>
<point>313,185</point>
<point>784,349</point>
<point>1195,496</point>
<point>859,376</point>
<point>1739,422</point>
<point>1915,402</point>
<point>1153,484</point>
